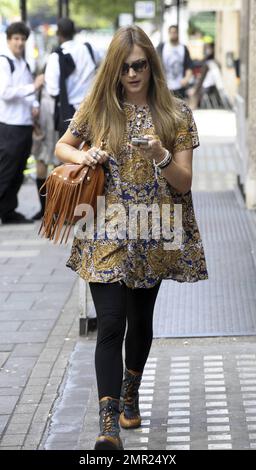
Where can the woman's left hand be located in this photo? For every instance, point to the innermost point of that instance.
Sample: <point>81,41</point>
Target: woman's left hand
<point>154,149</point>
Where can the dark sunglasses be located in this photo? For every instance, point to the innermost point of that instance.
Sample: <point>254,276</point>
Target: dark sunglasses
<point>137,66</point>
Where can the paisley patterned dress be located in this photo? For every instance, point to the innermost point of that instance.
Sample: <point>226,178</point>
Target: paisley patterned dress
<point>142,259</point>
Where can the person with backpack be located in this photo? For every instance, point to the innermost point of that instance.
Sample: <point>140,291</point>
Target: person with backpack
<point>69,73</point>
<point>18,108</point>
<point>176,62</point>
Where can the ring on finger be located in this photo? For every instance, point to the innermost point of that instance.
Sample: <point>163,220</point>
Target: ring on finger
<point>99,155</point>
<point>94,156</point>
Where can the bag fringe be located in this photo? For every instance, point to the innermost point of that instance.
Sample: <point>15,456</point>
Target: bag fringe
<point>62,198</point>
<point>53,222</point>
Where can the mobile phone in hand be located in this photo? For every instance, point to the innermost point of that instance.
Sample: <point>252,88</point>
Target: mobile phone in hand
<point>139,141</point>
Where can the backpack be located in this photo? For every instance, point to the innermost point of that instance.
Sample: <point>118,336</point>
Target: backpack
<point>63,111</point>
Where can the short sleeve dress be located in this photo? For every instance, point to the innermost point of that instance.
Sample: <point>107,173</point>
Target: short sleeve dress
<point>142,260</point>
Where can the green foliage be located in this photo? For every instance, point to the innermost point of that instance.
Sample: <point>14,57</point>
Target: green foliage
<point>204,23</point>
<point>85,13</point>
<point>104,13</point>
<point>109,9</point>
<point>9,8</point>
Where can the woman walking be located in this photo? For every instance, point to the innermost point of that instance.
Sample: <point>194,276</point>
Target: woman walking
<point>130,99</point>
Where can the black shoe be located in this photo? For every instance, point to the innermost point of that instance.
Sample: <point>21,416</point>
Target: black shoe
<point>92,324</point>
<point>15,218</point>
<point>38,216</point>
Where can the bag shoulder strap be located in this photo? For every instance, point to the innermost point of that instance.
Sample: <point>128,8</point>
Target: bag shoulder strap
<point>11,63</point>
<point>160,48</point>
<point>90,49</point>
<point>67,66</point>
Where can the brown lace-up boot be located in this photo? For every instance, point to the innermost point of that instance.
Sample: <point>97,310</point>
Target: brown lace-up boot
<point>109,439</point>
<point>129,401</point>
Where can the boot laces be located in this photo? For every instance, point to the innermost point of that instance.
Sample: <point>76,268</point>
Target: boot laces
<point>108,419</point>
<point>131,390</point>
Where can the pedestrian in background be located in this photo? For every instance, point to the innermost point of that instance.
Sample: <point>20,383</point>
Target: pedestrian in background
<point>176,62</point>
<point>18,108</point>
<point>44,141</point>
<point>130,99</point>
<point>209,89</point>
<point>69,73</point>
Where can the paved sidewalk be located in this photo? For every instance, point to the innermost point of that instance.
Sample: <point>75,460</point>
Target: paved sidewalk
<point>34,343</point>
<point>197,393</point>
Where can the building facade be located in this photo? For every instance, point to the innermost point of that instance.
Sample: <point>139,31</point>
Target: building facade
<point>246,103</point>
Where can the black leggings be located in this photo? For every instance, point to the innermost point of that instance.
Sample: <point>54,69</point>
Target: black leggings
<point>114,303</point>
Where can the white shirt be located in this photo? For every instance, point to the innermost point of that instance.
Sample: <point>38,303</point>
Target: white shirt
<point>173,62</point>
<point>17,91</point>
<point>213,76</point>
<point>80,80</point>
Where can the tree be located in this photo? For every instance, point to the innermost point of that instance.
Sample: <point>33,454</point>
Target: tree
<point>9,9</point>
<point>97,12</point>
<point>103,8</point>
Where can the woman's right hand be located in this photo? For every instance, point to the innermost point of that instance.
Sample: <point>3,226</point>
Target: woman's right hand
<point>93,156</point>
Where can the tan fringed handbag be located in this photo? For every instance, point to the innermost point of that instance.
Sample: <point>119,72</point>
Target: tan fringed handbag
<point>67,186</point>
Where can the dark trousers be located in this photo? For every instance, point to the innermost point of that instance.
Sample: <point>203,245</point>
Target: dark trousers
<point>116,304</point>
<point>15,146</point>
<point>180,93</point>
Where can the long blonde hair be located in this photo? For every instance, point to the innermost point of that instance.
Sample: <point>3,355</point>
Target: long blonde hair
<point>102,109</point>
